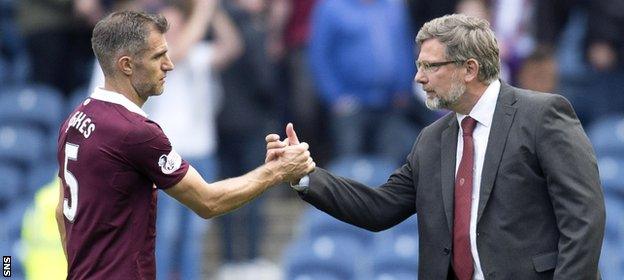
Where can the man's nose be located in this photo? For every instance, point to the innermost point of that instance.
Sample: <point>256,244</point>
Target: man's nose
<point>420,77</point>
<point>168,65</point>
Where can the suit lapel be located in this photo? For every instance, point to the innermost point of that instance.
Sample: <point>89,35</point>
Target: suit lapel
<point>448,152</point>
<point>501,122</point>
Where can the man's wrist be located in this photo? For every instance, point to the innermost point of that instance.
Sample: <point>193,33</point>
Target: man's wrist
<point>302,184</point>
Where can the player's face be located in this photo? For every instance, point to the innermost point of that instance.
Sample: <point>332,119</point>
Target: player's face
<point>152,67</point>
<point>443,84</point>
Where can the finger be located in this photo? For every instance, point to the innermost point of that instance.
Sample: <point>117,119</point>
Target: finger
<point>304,146</point>
<point>298,148</point>
<point>311,167</point>
<point>273,154</point>
<point>272,137</point>
<point>291,134</point>
<point>303,158</point>
<point>275,145</point>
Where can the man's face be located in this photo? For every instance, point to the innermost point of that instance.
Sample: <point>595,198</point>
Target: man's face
<point>443,83</point>
<point>152,66</point>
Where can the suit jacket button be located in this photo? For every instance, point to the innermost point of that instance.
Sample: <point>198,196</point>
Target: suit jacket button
<point>446,251</point>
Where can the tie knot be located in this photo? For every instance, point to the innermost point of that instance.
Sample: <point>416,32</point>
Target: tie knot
<point>468,124</point>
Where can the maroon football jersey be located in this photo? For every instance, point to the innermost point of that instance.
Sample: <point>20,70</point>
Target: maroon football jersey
<point>110,158</point>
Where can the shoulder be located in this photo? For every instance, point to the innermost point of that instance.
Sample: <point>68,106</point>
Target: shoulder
<point>130,127</point>
<point>537,98</point>
<point>440,124</point>
<point>143,130</point>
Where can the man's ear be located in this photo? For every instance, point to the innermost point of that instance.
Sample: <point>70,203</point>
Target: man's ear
<point>125,65</point>
<point>472,70</point>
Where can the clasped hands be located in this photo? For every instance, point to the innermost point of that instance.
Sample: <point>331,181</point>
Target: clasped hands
<point>292,156</point>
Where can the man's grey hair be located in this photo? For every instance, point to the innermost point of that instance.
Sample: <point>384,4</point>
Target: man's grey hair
<point>123,33</point>
<point>465,37</point>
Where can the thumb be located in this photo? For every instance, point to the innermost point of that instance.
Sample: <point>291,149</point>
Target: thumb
<point>291,134</point>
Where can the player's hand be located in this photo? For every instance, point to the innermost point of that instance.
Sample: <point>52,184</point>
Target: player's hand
<point>275,147</point>
<point>294,162</point>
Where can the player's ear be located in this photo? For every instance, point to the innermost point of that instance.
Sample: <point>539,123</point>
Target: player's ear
<point>125,65</point>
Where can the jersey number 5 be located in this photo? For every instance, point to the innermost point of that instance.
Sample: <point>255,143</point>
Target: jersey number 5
<point>71,153</point>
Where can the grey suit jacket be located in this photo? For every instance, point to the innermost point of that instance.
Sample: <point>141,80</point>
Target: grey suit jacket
<point>541,210</point>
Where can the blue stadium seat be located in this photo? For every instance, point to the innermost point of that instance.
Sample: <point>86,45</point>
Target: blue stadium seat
<point>35,105</point>
<point>40,175</point>
<point>615,217</point>
<point>12,179</point>
<point>611,259</point>
<point>607,135</point>
<point>77,96</point>
<point>317,223</point>
<point>395,254</point>
<point>612,174</point>
<point>21,145</point>
<point>367,169</point>
<point>408,226</point>
<point>324,258</point>
<point>14,216</point>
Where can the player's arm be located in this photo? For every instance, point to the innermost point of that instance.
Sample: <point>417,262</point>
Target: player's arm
<point>214,199</point>
<point>60,222</point>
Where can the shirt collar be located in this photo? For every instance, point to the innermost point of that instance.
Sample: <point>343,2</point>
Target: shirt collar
<point>483,110</point>
<point>117,98</point>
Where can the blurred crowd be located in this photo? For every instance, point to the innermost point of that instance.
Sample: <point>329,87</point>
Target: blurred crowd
<point>341,70</point>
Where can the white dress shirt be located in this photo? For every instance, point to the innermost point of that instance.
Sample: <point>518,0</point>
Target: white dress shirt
<point>482,112</point>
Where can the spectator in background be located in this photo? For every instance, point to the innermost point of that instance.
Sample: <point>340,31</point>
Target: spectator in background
<point>57,42</point>
<point>512,23</point>
<point>560,36</point>
<point>289,42</point>
<point>13,58</point>
<point>361,58</point>
<point>422,11</point>
<point>605,54</point>
<point>538,72</point>
<point>248,112</point>
<point>586,37</point>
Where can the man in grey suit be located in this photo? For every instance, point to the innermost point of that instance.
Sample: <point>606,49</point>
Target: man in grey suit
<point>505,186</point>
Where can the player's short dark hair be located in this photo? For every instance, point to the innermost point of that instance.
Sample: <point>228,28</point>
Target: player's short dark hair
<point>124,32</point>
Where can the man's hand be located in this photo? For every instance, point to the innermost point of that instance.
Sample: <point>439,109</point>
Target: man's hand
<point>279,150</point>
<point>275,147</point>
<point>293,163</point>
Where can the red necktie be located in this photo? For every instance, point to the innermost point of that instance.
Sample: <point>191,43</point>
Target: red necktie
<point>462,257</point>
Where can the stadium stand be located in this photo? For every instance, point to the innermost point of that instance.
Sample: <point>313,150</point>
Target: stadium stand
<point>324,258</point>
<point>607,135</point>
<point>367,169</point>
<point>395,254</point>
<point>22,146</point>
<point>32,104</point>
<point>317,223</point>
<point>11,182</point>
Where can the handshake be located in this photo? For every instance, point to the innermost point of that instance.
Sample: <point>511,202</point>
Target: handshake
<point>289,158</point>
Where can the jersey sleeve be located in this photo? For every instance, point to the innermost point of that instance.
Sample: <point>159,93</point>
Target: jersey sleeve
<point>150,151</point>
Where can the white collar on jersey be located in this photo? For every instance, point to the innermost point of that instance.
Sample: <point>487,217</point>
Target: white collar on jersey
<point>117,98</point>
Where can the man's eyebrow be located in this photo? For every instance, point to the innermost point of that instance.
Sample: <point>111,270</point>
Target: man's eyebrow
<point>160,53</point>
